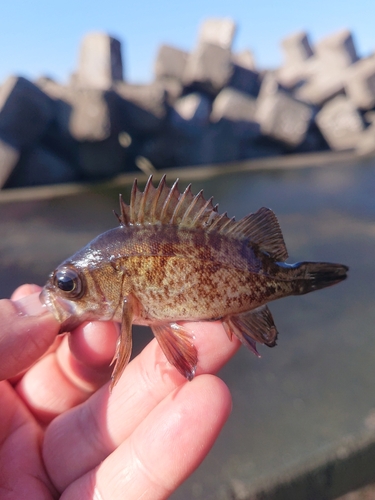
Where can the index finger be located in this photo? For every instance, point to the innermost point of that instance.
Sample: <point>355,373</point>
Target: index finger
<point>27,329</point>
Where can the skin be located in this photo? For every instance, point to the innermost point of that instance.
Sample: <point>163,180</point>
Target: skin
<point>64,435</point>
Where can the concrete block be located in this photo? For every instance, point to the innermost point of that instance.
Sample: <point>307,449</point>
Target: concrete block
<point>321,76</point>
<point>296,48</point>
<point>222,142</point>
<point>95,115</point>
<point>262,147</point>
<point>245,59</point>
<point>39,166</point>
<point>324,86</point>
<point>245,80</point>
<point>149,97</point>
<point>90,115</point>
<point>297,51</point>
<point>337,50</point>
<point>283,118</point>
<point>100,61</point>
<point>191,112</point>
<point>314,141</point>
<point>9,157</point>
<point>313,67</point>
<point>340,123</point>
<point>171,147</point>
<point>82,113</point>
<point>142,108</point>
<point>64,98</point>
<point>218,143</point>
<point>360,83</point>
<point>49,86</point>
<point>270,84</point>
<point>209,67</point>
<point>325,71</point>
<point>217,32</point>
<point>291,76</point>
<point>102,159</point>
<point>365,145</point>
<point>173,89</point>
<point>58,137</point>
<point>369,117</point>
<point>234,106</point>
<point>170,63</point>
<point>25,112</point>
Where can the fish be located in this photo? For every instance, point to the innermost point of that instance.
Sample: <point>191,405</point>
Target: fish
<point>173,259</point>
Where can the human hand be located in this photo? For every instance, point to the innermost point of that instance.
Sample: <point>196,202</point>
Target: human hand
<point>64,435</point>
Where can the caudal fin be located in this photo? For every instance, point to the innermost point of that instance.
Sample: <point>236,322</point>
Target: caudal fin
<point>312,276</point>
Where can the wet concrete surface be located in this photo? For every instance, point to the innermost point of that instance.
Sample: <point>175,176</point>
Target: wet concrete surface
<point>318,385</point>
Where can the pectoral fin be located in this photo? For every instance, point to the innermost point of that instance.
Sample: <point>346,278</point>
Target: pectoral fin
<point>178,348</point>
<point>124,342</point>
<point>254,326</point>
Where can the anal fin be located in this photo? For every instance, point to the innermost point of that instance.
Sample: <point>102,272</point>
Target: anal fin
<point>178,348</point>
<point>254,326</point>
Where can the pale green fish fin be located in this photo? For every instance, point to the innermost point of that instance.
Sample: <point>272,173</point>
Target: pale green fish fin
<point>124,342</point>
<point>263,230</point>
<point>176,343</point>
<point>254,326</point>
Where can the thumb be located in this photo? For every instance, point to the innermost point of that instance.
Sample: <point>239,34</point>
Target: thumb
<point>27,329</point>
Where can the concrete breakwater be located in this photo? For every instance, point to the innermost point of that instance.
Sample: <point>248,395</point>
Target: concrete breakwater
<point>210,105</point>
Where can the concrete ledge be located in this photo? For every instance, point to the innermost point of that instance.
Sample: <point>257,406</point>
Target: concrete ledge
<point>287,162</point>
<point>348,467</point>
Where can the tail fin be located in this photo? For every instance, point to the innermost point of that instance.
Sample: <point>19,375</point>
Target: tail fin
<point>312,276</point>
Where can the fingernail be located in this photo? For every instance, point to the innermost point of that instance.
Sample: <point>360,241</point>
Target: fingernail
<point>31,305</point>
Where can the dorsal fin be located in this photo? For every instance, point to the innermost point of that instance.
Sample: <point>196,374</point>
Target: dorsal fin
<point>167,206</point>
<point>164,205</point>
<point>263,230</point>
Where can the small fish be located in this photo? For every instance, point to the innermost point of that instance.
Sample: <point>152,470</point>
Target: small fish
<point>174,258</point>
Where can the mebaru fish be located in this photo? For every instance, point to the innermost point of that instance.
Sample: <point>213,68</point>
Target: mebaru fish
<point>174,258</point>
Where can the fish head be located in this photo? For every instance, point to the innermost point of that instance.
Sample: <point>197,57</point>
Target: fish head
<point>79,290</point>
<point>65,296</point>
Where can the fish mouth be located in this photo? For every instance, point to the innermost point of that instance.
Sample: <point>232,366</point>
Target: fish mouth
<point>63,310</point>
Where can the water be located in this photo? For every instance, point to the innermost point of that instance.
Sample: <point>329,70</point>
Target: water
<point>317,385</point>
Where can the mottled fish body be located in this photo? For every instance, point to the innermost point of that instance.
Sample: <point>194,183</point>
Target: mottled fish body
<point>175,258</point>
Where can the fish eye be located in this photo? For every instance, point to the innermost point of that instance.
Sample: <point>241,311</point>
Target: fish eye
<point>68,281</point>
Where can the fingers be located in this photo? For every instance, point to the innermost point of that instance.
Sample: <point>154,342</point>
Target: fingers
<point>68,376</point>
<point>164,449</point>
<point>105,421</point>
<point>25,290</point>
<point>26,332</point>
<point>22,474</point>
<point>65,371</point>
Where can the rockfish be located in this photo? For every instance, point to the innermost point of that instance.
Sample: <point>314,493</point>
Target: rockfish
<point>174,258</point>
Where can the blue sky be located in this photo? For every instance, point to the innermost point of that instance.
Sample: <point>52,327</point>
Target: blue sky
<point>42,37</point>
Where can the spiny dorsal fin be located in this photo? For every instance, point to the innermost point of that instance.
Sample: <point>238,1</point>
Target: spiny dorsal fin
<point>164,205</point>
